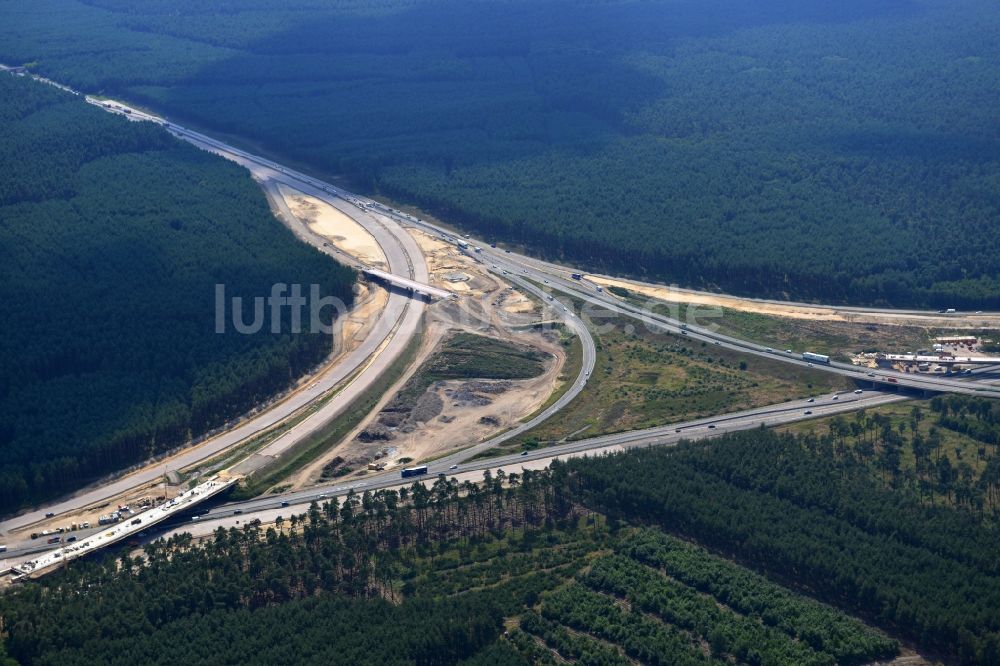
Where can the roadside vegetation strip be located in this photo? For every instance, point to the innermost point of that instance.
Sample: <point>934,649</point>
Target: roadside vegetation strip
<point>838,339</point>
<point>312,447</point>
<point>254,443</point>
<point>646,379</point>
<point>573,347</point>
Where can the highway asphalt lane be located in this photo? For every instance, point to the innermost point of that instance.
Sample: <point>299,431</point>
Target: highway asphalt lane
<point>558,278</point>
<point>268,508</point>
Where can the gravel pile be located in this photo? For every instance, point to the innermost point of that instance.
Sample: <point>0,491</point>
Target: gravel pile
<point>375,433</point>
<point>428,406</point>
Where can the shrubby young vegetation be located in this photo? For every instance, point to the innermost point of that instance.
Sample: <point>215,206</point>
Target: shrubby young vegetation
<point>753,548</point>
<point>427,576</point>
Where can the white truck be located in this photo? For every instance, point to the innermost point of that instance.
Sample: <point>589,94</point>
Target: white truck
<point>815,358</point>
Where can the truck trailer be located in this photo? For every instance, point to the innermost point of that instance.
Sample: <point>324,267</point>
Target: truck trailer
<point>815,358</point>
<point>414,471</point>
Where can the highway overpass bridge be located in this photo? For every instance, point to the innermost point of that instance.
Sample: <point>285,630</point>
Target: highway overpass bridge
<point>108,535</point>
<point>407,285</point>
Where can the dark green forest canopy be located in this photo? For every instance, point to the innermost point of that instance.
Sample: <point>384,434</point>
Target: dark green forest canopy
<point>113,236</point>
<point>839,151</point>
<point>460,563</point>
<point>754,548</point>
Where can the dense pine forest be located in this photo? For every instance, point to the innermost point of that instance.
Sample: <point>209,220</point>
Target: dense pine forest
<point>837,151</point>
<point>113,236</point>
<point>756,548</point>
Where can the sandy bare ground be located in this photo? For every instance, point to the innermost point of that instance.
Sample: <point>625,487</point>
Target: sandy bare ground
<point>323,219</point>
<point>458,424</point>
<point>444,260</point>
<point>793,311</point>
<point>488,307</point>
<point>310,474</point>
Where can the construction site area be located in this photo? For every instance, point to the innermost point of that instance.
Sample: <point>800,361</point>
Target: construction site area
<point>951,354</point>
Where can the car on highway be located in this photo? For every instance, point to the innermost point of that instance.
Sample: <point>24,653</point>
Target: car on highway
<point>788,351</point>
<point>717,342</point>
<point>808,412</point>
<point>678,429</point>
<point>711,426</point>
<point>858,392</point>
<point>453,467</point>
<point>524,453</point>
<point>768,349</point>
<point>238,512</point>
<point>284,504</point>
<point>836,397</point>
<point>871,374</point>
<point>50,515</point>
<point>811,400</point>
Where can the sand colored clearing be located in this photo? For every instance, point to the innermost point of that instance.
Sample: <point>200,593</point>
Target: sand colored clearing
<point>428,243</point>
<point>363,316</point>
<point>444,258</point>
<point>795,311</point>
<point>329,222</point>
<point>518,303</point>
<point>461,424</point>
